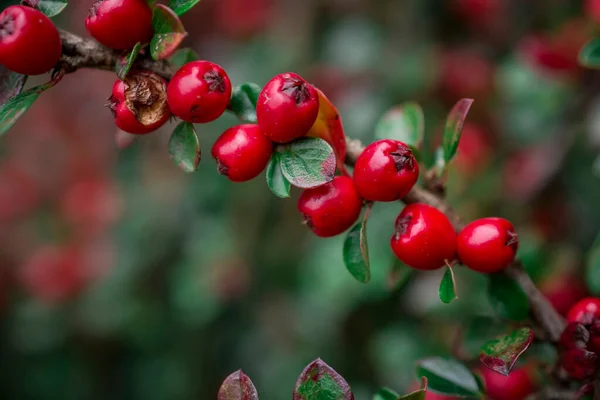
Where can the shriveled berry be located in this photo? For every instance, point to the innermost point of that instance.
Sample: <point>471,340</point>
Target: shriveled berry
<point>199,92</point>
<point>332,208</point>
<point>29,42</point>
<point>488,244</point>
<point>120,24</point>
<point>385,171</point>
<point>575,336</point>
<point>594,343</point>
<point>424,239</point>
<point>585,311</point>
<point>287,108</point>
<point>579,363</point>
<point>139,104</point>
<point>242,152</point>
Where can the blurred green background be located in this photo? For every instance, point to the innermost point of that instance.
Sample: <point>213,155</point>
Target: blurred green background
<point>121,277</point>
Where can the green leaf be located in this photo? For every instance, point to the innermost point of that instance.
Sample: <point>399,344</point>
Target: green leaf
<point>448,376</point>
<point>237,386</point>
<point>243,101</point>
<point>501,354</point>
<point>49,7</point>
<point>507,298</point>
<point>356,249</point>
<point>319,381</point>
<point>420,394</point>
<point>386,394</point>
<point>448,286</point>
<point>592,271</point>
<point>126,60</point>
<point>589,56</point>
<point>168,32</point>
<point>453,128</point>
<point>307,162</point>
<point>405,123</point>
<point>11,84</point>
<point>184,147</point>
<point>182,6</point>
<point>275,179</point>
<point>183,56</point>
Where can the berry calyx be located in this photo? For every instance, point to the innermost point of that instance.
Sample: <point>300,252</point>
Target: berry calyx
<point>385,171</point>
<point>575,336</point>
<point>29,42</point>
<point>332,208</point>
<point>424,239</point>
<point>242,152</point>
<point>488,245</point>
<point>199,92</point>
<point>139,103</point>
<point>120,24</point>
<point>586,311</point>
<point>287,108</point>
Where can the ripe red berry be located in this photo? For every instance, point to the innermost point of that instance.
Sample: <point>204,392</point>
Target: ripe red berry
<point>585,311</point>
<point>139,104</point>
<point>575,336</point>
<point>579,363</point>
<point>242,152</point>
<point>424,237</point>
<point>385,171</point>
<point>488,245</point>
<point>120,24</point>
<point>332,208</point>
<point>516,386</point>
<point>199,92</point>
<point>29,41</point>
<point>287,108</point>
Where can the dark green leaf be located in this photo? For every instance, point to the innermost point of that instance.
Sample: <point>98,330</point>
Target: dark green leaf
<point>405,123</point>
<point>507,298</point>
<point>386,394</point>
<point>183,56</point>
<point>275,179</point>
<point>182,6</point>
<point>319,381</point>
<point>448,377</point>
<point>168,32</point>
<point>592,271</point>
<point>243,101</point>
<point>502,353</point>
<point>126,60</point>
<point>589,56</point>
<point>453,128</point>
<point>184,147</point>
<point>448,287</point>
<point>11,84</point>
<point>15,107</point>
<point>307,162</point>
<point>356,250</point>
<point>49,7</point>
<point>237,386</point>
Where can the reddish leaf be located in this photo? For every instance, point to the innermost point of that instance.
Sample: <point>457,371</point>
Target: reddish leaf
<point>168,32</point>
<point>328,127</point>
<point>237,386</point>
<point>320,381</point>
<point>454,126</point>
<point>501,354</point>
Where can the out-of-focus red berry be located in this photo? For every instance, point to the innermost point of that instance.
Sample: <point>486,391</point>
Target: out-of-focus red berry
<point>516,386</point>
<point>585,311</point>
<point>563,292</point>
<point>466,74</point>
<point>243,18</point>
<point>474,150</point>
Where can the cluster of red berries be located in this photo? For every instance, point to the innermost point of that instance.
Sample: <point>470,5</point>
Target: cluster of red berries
<point>580,341</point>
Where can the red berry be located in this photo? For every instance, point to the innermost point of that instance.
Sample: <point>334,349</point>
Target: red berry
<point>332,208</point>
<point>199,92</point>
<point>516,386</point>
<point>242,152</point>
<point>563,291</point>
<point>139,104</point>
<point>424,237</point>
<point>575,336</point>
<point>287,108</point>
<point>120,24</point>
<point>579,363</point>
<point>594,344</point>
<point>585,311</point>
<point>29,41</point>
<point>487,245</point>
<point>385,171</point>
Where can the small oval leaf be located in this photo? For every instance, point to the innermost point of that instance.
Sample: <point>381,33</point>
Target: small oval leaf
<point>168,32</point>
<point>501,354</point>
<point>237,386</point>
<point>184,147</point>
<point>589,56</point>
<point>125,61</point>
<point>49,7</point>
<point>183,56</point>
<point>307,162</point>
<point>448,376</point>
<point>319,381</point>
<point>275,179</point>
<point>356,250</point>
<point>386,394</point>
<point>448,286</point>
<point>453,128</point>
<point>416,395</point>
<point>243,101</point>
<point>507,298</point>
<point>405,123</point>
<point>180,7</point>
